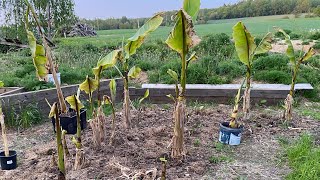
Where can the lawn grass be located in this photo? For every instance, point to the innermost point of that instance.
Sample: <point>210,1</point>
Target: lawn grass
<point>258,26</point>
<point>303,157</point>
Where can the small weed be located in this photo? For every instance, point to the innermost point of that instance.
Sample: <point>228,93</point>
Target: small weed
<point>24,116</point>
<point>304,158</point>
<point>220,147</point>
<point>197,143</point>
<point>218,159</point>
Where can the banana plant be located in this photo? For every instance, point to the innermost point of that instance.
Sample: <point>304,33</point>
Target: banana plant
<point>42,55</point>
<point>108,61</point>
<point>76,105</point>
<point>130,49</point>
<point>295,66</point>
<point>247,49</point>
<point>60,149</point>
<point>181,39</point>
<point>233,122</point>
<point>97,122</point>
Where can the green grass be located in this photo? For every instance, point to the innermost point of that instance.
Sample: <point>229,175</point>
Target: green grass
<point>303,158</point>
<point>258,26</point>
<point>312,111</point>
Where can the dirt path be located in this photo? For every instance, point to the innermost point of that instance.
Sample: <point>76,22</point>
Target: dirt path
<point>139,149</point>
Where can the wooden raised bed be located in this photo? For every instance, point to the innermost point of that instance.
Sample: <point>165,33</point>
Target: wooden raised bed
<point>225,93</point>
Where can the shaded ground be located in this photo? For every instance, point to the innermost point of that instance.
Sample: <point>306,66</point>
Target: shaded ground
<point>138,149</point>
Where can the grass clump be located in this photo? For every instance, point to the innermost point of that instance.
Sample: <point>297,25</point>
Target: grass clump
<point>24,116</point>
<point>303,158</point>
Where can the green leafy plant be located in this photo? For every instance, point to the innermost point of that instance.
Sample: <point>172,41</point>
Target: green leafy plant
<point>247,49</point>
<point>295,66</point>
<point>181,39</point>
<point>42,55</point>
<point>130,49</point>
<point>76,105</point>
<point>1,84</point>
<point>97,122</point>
<point>61,165</point>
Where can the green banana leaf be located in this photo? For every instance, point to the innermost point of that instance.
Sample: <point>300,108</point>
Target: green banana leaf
<point>182,37</point>
<point>265,44</point>
<point>107,62</point>
<point>146,94</point>
<point>89,85</point>
<point>136,41</point>
<point>134,72</point>
<point>38,56</point>
<point>75,103</point>
<point>308,55</point>
<point>192,8</point>
<point>244,43</point>
<point>113,89</point>
<point>290,49</point>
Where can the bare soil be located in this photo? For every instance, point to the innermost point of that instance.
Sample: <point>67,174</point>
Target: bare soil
<point>138,150</point>
<point>281,46</point>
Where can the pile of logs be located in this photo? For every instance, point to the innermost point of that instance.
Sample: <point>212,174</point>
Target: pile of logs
<point>80,29</point>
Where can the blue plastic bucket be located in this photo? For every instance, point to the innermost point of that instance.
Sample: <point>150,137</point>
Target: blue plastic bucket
<point>231,136</point>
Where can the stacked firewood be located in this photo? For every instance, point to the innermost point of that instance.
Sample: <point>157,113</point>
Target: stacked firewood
<point>80,29</point>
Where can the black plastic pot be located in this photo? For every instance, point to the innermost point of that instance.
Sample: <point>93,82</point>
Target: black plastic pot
<point>70,123</point>
<point>231,136</point>
<point>10,162</point>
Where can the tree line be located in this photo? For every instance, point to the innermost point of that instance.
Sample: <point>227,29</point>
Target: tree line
<point>244,8</point>
<point>58,15</point>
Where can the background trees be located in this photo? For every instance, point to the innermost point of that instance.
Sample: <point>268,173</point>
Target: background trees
<point>54,15</point>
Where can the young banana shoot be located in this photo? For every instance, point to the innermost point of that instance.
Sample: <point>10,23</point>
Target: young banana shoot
<point>76,105</point>
<point>295,66</point>
<point>247,49</point>
<point>61,164</point>
<point>233,122</point>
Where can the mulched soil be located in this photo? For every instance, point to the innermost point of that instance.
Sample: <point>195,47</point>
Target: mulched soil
<point>137,151</point>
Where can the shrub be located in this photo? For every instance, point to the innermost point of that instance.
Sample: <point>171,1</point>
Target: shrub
<point>314,36</point>
<point>230,68</point>
<point>216,44</point>
<point>273,76</point>
<point>306,42</point>
<point>280,35</point>
<point>317,45</point>
<point>295,36</point>
<point>24,116</point>
<point>271,62</point>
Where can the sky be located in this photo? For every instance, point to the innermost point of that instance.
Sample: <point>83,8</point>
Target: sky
<point>133,8</point>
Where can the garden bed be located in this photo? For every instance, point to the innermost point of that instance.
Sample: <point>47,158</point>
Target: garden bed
<point>139,149</point>
<point>10,90</point>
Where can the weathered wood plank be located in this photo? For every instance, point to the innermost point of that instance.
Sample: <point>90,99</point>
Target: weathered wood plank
<point>50,94</point>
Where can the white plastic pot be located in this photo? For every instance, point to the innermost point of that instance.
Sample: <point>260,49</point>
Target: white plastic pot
<point>51,80</point>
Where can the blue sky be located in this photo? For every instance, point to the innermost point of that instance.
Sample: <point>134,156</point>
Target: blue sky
<point>133,8</point>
